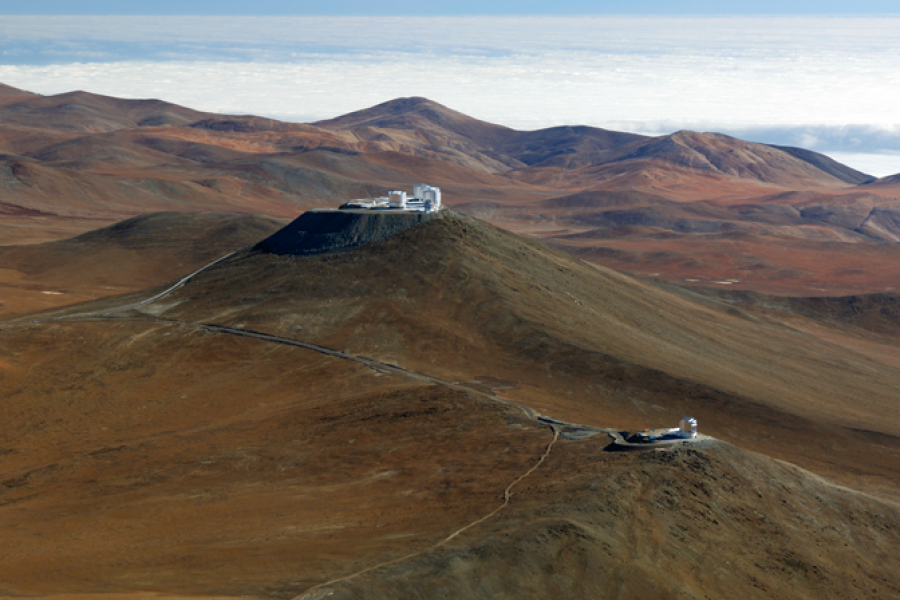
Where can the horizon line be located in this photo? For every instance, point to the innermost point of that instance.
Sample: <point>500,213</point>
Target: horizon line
<point>450,15</point>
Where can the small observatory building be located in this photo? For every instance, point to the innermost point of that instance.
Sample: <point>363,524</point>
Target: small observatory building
<point>687,428</point>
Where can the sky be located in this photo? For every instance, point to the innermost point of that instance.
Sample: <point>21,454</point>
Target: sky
<point>825,82</point>
<point>445,7</point>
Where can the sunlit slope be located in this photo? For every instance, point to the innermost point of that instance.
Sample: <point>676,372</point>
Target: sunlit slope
<point>153,457</point>
<point>147,456</point>
<point>461,299</point>
<point>492,289</point>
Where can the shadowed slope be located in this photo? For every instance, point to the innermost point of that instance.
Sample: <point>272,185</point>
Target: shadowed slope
<point>571,147</point>
<point>130,255</point>
<point>322,232</point>
<point>828,165</point>
<point>891,181</point>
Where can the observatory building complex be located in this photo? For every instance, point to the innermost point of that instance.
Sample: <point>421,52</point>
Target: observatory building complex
<point>425,198</point>
<point>658,438</point>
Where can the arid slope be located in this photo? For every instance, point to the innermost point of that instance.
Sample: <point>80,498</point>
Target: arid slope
<point>143,452</point>
<point>465,301</point>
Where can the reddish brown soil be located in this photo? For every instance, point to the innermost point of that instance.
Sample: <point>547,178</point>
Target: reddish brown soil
<point>783,267</point>
<point>234,453</point>
<point>141,455</point>
<point>687,206</point>
<point>499,306</point>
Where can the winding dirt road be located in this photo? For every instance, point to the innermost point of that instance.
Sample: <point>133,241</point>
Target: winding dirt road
<point>320,590</point>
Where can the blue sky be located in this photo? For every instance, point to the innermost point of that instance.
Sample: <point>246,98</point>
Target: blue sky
<point>444,7</point>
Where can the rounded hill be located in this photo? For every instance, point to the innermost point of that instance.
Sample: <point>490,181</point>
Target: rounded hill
<point>462,299</point>
<point>130,255</point>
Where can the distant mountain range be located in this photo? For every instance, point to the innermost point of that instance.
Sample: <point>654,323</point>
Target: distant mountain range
<point>663,206</point>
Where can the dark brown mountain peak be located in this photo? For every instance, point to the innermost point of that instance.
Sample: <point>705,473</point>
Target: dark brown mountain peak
<point>414,103</point>
<point>390,110</point>
<point>83,111</point>
<point>722,154</point>
<point>695,139</point>
<point>8,90</point>
<point>11,95</point>
<point>423,114</point>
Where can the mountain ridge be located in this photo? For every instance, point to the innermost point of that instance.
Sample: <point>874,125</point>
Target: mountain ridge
<point>76,161</point>
<point>94,113</point>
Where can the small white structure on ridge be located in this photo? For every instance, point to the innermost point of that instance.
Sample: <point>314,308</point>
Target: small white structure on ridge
<point>427,193</point>
<point>425,198</point>
<point>687,428</point>
<point>659,438</point>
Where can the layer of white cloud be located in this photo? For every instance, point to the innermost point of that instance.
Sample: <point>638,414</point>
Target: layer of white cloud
<point>879,165</point>
<point>615,91</point>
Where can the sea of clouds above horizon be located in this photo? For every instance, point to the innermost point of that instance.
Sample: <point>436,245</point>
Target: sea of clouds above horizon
<point>826,83</point>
